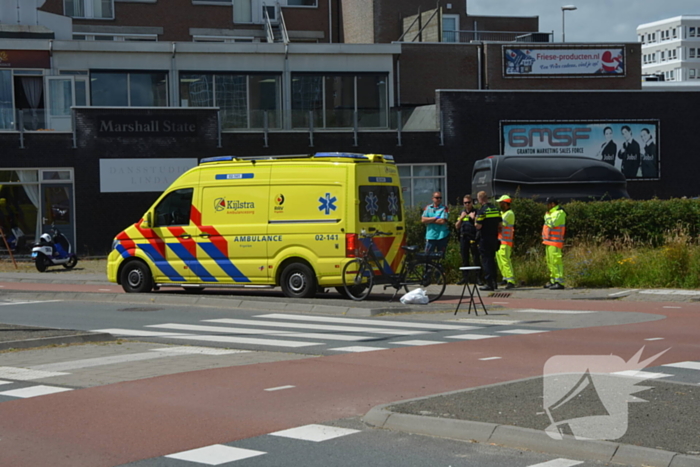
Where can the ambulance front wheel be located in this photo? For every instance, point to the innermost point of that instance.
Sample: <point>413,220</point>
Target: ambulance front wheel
<point>298,281</point>
<point>136,277</point>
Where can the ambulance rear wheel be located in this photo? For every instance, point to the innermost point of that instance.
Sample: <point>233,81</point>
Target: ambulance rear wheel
<point>298,281</point>
<point>136,278</point>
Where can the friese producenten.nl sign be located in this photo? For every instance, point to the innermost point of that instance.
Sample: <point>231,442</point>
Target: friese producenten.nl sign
<point>553,61</point>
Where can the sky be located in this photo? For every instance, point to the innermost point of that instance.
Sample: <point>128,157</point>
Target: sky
<point>593,21</point>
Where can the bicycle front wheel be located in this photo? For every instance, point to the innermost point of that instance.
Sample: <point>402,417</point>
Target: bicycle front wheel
<point>358,279</point>
<point>427,277</point>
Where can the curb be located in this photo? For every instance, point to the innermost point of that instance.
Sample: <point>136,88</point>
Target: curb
<point>57,340</point>
<point>261,305</point>
<point>525,438</point>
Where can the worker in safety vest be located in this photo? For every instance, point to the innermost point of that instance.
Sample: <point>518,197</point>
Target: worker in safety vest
<point>553,232</point>
<point>506,237</point>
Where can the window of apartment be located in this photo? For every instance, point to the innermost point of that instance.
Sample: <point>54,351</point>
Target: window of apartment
<point>302,2</point>
<point>94,9</point>
<point>691,32</point>
<point>222,39</point>
<point>116,37</point>
<point>691,73</point>
<point>335,100</point>
<point>7,118</point>
<point>129,89</point>
<point>663,55</point>
<point>243,99</point>
<point>420,181</point>
<point>691,52</point>
<point>673,54</point>
<point>675,32</point>
<point>653,37</point>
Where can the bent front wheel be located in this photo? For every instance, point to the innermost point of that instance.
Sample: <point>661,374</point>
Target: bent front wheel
<point>427,277</point>
<point>358,279</point>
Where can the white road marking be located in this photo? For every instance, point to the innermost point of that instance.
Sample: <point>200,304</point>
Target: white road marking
<point>24,374</point>
<point>521,331</point>
<point>672,307</point>
<point>559,312</point>
<point>654,339</point>
<point>315,433</point>
<point>246,340</point>
<point>686,365</point>
<point>493,322</point>
<point>642,374</point>
<point>417,342</point>
<point>198,350</point>
<point>357,348</point>
<point>269,332</point>
<point>500,303</point>
<point>136,333</point>
<point>5,382</point>
<point>33,391</point>
<point>490,358</point>
<point>322,327</point>
<point>100,361</point>
<point>28,302</point>
<point>622,293</point>
<point>398,324</point>
<point>561,462</point>
<point>216,454</point>
<point>471,337</point>
<point>279,388</point>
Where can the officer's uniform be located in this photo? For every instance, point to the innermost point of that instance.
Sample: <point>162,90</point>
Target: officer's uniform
<point>503,254</point>
<point>468,246</point>
<point>489,217</point>
<point>553,232</point>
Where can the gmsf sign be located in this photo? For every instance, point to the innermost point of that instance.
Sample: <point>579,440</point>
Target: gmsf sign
<point>534,137</point>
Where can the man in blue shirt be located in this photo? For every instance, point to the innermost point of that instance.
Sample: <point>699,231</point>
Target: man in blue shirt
<point>437,230</point>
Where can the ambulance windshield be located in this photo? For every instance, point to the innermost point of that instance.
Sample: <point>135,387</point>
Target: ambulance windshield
<point>380,203</point>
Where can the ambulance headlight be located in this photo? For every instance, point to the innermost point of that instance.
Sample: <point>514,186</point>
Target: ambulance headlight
<point>115,244</point>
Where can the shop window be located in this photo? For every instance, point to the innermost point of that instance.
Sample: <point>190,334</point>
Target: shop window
<point>94,9</point>
<point>420,181</point>
<point>243,99</point>
<point>336,100</point>
<point>129,89</point>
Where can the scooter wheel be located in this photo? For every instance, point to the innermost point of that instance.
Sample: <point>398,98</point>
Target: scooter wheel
<point>71,262</point>
<point>41,263</point>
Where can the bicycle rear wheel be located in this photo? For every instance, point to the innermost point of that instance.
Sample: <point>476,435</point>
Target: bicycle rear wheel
<point>358,279</point>
<point>427,277</point>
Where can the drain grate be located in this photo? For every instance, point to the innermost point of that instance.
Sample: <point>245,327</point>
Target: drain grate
<point>499,295</point>
<point>139,309</point>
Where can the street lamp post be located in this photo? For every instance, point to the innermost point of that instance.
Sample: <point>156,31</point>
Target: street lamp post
<point>564,9</point>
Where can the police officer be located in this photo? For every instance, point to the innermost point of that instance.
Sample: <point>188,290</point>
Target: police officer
<point>488,225</point>
<point>553,232</point>
<point>506,237</point>
<point>467,238</point>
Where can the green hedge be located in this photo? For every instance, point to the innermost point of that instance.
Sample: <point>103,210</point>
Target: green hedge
<point>615,225</point>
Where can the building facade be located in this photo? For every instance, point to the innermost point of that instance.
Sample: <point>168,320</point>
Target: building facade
<point>671,47</point>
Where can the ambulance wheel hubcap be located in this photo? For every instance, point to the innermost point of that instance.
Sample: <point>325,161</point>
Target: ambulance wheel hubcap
<point>135,278</point>
<point>297,282</point>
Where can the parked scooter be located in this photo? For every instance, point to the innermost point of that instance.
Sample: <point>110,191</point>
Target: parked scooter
<point>53,251</point>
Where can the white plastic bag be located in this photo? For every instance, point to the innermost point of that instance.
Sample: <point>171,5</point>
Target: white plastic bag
<point>415,297</point>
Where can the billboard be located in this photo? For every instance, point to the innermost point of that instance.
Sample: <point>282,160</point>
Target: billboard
<point>632,146</point>
<point>598,62</point>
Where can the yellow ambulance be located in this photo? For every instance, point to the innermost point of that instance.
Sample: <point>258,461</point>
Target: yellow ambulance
<point>288,221</point>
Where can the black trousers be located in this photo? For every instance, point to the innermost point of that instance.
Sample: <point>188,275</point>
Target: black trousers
<point>488,260</point>
<point>469,248</point>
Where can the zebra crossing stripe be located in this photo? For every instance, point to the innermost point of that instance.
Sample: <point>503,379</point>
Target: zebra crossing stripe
<point>33,391</point>
<point>321,327</point>
<point>248,340</point>
<point>315,433</point>
<point>216,454</point>
<point>269,332</point>
<point>370,322</point>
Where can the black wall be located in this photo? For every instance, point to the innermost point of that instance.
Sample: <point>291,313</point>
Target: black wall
<point>472,129</point>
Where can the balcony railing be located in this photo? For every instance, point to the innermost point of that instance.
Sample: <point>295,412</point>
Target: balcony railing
<point>495,36</point>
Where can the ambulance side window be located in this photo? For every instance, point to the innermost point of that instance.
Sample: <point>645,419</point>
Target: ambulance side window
<point>174,209</point>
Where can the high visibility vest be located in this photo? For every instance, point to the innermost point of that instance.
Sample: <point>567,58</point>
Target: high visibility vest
<point>508,228</point>
<point>554,227</point>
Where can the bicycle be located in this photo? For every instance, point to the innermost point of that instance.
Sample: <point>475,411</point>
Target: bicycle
<point>422,271</point>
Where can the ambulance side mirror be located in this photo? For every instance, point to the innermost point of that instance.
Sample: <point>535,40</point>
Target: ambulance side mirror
<point>146,224</point>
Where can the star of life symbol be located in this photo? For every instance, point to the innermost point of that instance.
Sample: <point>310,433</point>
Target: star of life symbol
<point>371,203</point>
<point>327,203</point>
<point>587,396</point>
<point>393,203</point>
